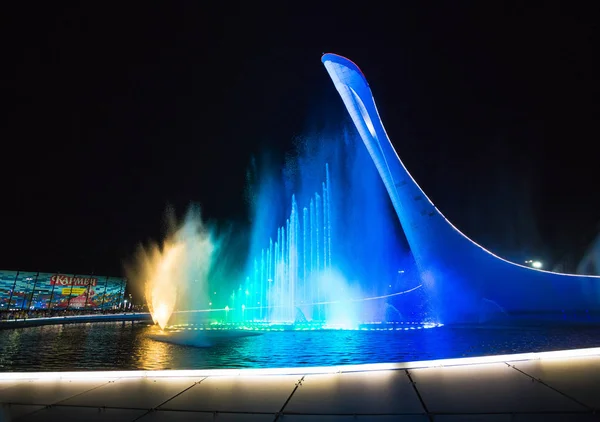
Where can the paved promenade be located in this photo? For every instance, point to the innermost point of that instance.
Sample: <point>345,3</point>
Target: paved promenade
<point>547,387</point>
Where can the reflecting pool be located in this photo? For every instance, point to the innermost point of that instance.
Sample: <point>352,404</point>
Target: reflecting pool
<point>137,345</point>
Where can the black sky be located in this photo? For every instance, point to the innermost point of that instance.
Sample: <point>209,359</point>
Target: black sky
<point>113,112</point>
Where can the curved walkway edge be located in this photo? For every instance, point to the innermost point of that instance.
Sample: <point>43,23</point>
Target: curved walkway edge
<point>548,386</point>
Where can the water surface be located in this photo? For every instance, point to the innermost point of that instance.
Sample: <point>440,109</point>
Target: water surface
<point>132,345</point>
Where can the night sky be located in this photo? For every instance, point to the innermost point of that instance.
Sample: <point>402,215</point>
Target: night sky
<point>111,113</point>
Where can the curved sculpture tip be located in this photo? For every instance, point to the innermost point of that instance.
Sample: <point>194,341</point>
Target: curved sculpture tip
<point>336,58</point>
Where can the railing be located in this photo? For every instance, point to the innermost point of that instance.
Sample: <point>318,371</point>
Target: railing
<point>38,314</point>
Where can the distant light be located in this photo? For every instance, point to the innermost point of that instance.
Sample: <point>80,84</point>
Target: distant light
<point>534,264</point>
<point>400,271</point>
<point>243,306</point>
<point>390,285</point>
<point>227,308</point>
<point>247,292</point>
<point>209,303</point>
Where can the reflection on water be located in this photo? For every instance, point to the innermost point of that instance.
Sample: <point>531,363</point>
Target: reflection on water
<point>129,345</point>
<point>152,354</point>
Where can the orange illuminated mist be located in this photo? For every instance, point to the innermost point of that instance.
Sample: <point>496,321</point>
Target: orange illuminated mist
<point>174,274</point>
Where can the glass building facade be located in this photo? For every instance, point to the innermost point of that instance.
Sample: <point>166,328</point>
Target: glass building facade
<point>26,290</point>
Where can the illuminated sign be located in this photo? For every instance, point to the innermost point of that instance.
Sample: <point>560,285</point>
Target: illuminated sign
<point>66,280</point>
<point>73,290</point>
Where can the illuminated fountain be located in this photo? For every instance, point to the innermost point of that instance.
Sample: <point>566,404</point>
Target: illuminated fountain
<point>289,274</point>
<point>174,274</point>
<point>335,260</point>
<point>324,251</point>
<point>332,264</point>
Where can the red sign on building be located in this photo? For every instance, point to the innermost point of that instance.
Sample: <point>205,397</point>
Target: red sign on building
<point>68,280</point>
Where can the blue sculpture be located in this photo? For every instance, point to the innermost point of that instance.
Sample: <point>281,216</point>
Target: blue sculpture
<point>464,281</point>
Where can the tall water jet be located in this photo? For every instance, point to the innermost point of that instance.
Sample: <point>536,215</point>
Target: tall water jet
<point>329,253</point>
<point>175,273</point>
<point>160,291</point>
